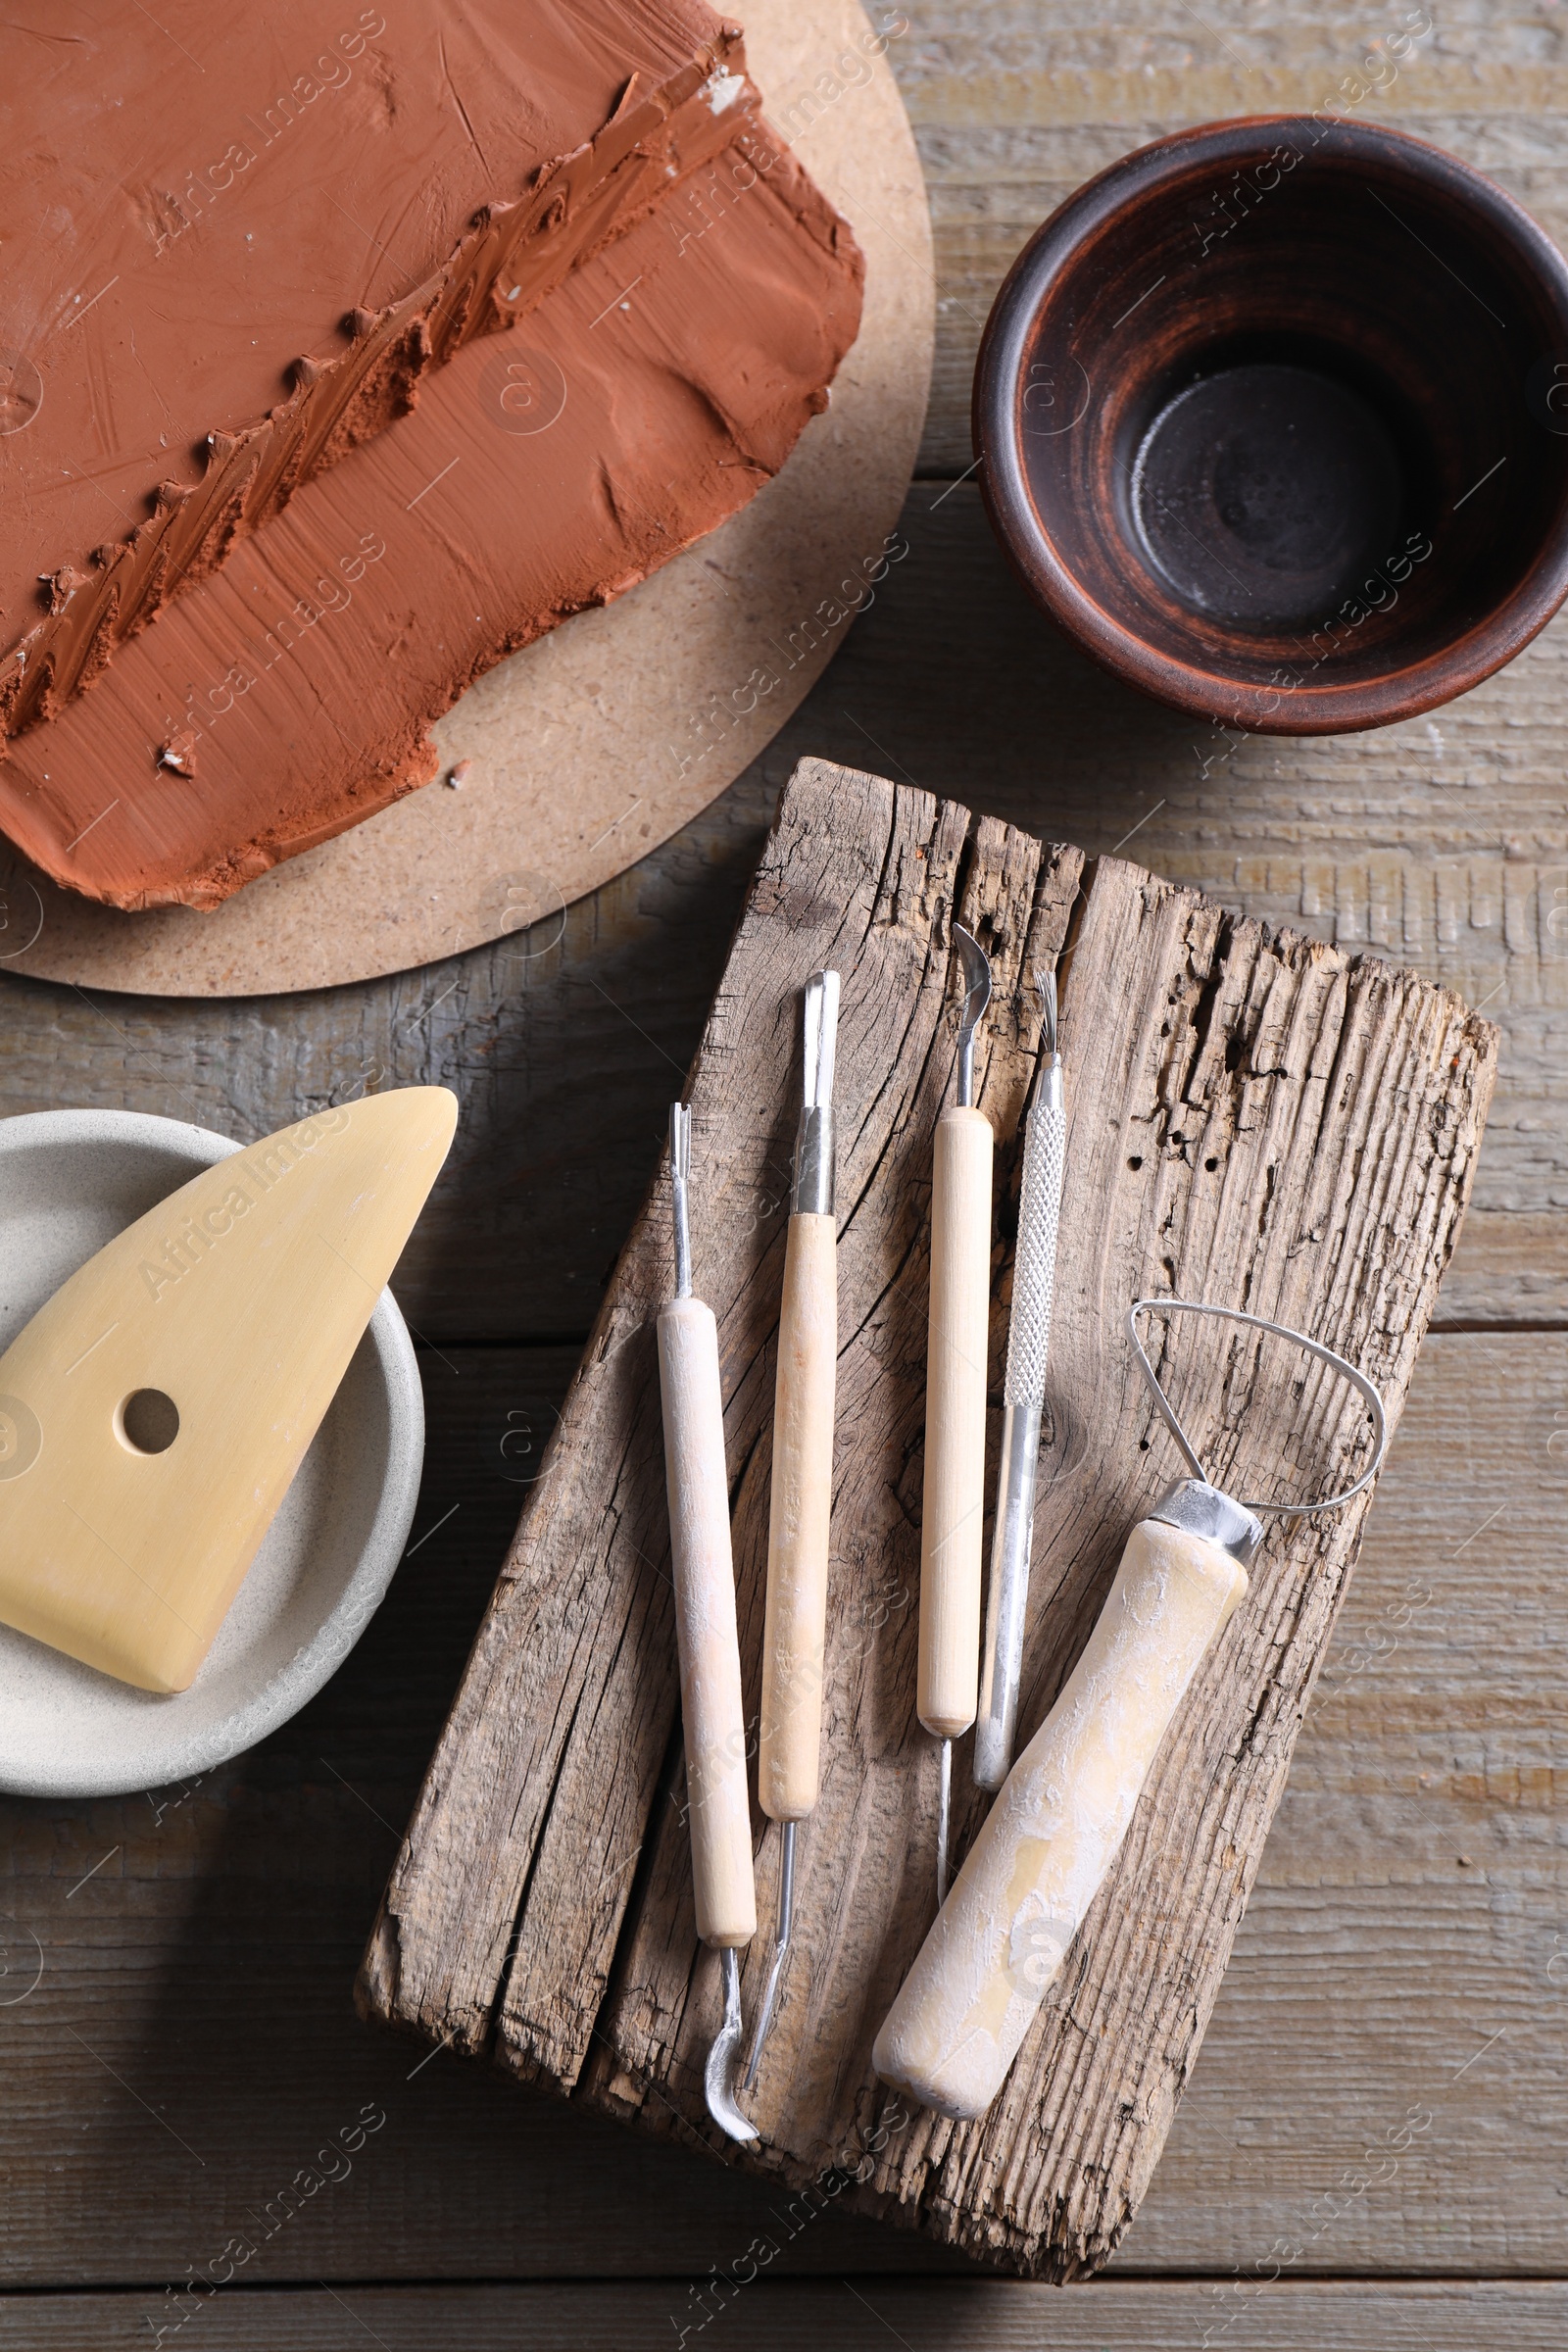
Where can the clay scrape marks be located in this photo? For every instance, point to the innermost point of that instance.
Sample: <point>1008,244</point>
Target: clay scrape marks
<point>327,594</point>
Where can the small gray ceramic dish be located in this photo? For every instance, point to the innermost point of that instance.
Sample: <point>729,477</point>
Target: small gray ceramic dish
<point>69,1181</point>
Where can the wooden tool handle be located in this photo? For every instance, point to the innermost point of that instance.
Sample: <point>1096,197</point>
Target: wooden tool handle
<point>789,1757</point>
<point>1053,1832</point>
<point>715,1725</point>
<point>954,1511</point>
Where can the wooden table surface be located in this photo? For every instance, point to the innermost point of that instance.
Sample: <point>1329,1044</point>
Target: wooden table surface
<point>1370,2152</point>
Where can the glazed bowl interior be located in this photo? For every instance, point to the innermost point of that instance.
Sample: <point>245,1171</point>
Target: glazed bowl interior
<point>1268,420</point>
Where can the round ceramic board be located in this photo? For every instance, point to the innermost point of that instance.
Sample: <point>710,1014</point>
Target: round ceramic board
<point>591,747</point>
<point>69,1181</point>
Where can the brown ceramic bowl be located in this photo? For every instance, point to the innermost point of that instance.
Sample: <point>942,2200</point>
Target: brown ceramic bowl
<point>1272,417</point>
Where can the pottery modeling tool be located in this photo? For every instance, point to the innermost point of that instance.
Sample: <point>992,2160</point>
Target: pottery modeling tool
<point>154,1412</point>
<point>712,1721</point>
<point>794,1633</point>
<point>953,1507</point>
<point>1034,1275</point>
<point>1053,1832</point>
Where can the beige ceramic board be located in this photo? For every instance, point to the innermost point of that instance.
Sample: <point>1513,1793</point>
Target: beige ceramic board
<point>594,745</point>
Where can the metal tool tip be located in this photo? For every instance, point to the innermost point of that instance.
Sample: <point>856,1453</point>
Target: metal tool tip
<point>1048,997</point>
<point>976,997</point>
<point>976,974</point>
<point>944,1822</point>
<point>680,1169</point>
<point>719,2070</point>
<point>821,1037</point>
<point>764,2019</point>
<point>781,1950</point>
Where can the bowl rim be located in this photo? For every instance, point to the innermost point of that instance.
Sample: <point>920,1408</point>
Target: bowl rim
<point>1313,709</point>
<point>285,1691</point>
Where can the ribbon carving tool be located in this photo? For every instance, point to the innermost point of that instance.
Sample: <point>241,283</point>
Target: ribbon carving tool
<point>154,1412</point>
<point>1034,1274</point>
<point>1043,1849</point>
<point>953,1509</point>
<point>704,1575</point>
<point>789,1769</point>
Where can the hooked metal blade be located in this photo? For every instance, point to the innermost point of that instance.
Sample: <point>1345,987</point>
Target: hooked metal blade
<point>720,2071</point>
<point>976,997</point>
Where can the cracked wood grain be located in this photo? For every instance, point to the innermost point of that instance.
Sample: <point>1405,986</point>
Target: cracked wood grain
<point>1255,1117</point>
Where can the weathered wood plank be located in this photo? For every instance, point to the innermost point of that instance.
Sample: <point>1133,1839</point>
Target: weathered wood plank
<point>571,1839</point>
<point>988,2317</point>
<point>1254,1118</point>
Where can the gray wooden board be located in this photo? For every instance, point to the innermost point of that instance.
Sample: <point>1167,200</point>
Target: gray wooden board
<point>841,2316</point>
<point>1253,1118</point>
<point>1373,1963</point>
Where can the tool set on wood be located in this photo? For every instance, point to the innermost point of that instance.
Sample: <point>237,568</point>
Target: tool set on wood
<point>1001,1933</point>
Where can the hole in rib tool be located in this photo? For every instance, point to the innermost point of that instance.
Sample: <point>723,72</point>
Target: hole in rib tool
<point>1034,1275</point>
<point>953,1505</point>
<point>1051,1836</point>
<point>155,1410</point>
<point>714,1725</point>
<point>789,1748</point>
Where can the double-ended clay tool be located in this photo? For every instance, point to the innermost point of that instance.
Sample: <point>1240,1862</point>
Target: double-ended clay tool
<point>156,1408</point>
<point>1053,1833</point>
<point>714,1724</point>
<point>1034,1276</point>
<point>789,1770</point>
<point>953,1507</point>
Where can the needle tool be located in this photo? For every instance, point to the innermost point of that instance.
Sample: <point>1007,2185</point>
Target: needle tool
<point>1034,1276</point>
<point>953,1507</point>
